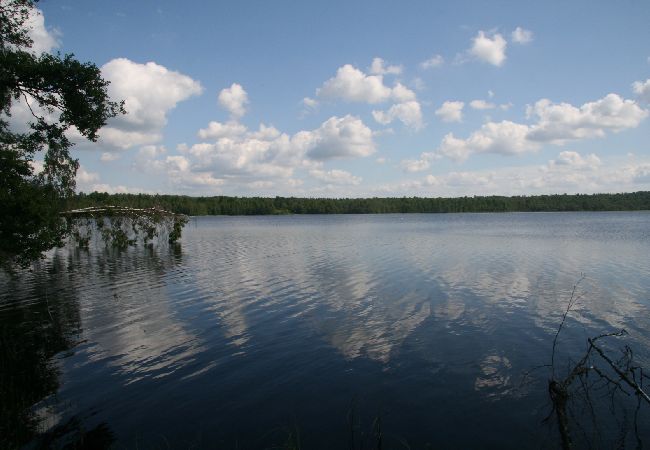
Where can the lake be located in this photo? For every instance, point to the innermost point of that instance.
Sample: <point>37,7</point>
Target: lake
<point>431,330</point>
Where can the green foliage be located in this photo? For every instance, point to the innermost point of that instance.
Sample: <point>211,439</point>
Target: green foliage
<point>201,206</point>
<point>61,93</point>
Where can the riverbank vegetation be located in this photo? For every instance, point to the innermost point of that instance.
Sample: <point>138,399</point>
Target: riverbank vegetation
<point>222,205</point>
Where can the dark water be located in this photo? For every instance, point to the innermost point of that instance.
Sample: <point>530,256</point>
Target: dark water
<point>258,332</point>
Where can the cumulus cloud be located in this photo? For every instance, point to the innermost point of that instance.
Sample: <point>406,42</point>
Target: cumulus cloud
<point>266,154</point>
<point>84,177</point>
<point>261,185</point>
<point>556,123</point>
<point>379,67</point>
<point>246,157</point>
<point>451,111</point>
<point>234,100</point>
<point>310,102</point>
<point>91,182</point>
<point>150,91</point>
<point>108,157</point>
<point>151,151</point>
<point>417,165</point>
<point>575,160</point>
<point>352,85</point>
<point>574,174</point>
<point>433,62</point>
<point>216,130</point>
<point>481,105</point>
<point>642,89</point>
<point>506,138</point>
<point>337,137</point>
<point>490,48</point>
<point>44,40</point>
<point>409,113</point>
<point>178,169</point>
<point>335,176</point>
<point>559,122</point>
<point>521,36</point>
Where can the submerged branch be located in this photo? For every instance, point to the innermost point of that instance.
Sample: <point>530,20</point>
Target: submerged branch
<point>623,375</point>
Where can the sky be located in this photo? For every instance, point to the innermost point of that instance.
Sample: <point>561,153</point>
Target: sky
<point>362,98</point>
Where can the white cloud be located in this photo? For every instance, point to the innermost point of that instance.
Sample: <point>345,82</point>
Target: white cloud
<point>261,185</point>
<point>44,40</point>
<point>378,67</point>
<point>401,93</point>
<point>559,122</point>
<point>576,174</point>
<point>409,113</point>
<point>246,157</point>
<point>481,105</point>
<point>489,48</point>
<point>90,182</point>
<point>216,130</point>
<point>506,138</point>
<point>642,89</point>
<point>265,133</point>
<point>108,157</point>
<point>149,91</point>
<point>293,182</point>
<point>84,177</point>
<point>451,111</point>
<point>556,124</point>
<point>335,176</point>
<point>433,62</point>
<point>352,85</point>
<point>264,154</point>
<point>310,102</point>
<point>575,160</point>
<point>337,137</point>
<point>234,99</point>
<point>145,160</point>
<point>151,151</point>
<point>177,168</point>
<point>417,165</point>
<point>640,174</point>
<point>418,84</point>
<point>521,36</point>
<point>466,179</point>
<point>21,114</point>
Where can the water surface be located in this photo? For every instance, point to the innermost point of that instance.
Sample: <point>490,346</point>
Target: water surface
<point>255,330</point>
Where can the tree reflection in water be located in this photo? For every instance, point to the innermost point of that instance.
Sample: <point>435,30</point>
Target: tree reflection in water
<point>39,323</point>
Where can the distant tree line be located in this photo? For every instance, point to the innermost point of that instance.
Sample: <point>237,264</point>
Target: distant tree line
<point>222,205</point>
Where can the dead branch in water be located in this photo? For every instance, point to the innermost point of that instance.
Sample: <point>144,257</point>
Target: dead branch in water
<point>618,377</point>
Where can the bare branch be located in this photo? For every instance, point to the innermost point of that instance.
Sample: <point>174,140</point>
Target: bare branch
<point>620,373</point>
<point>572,301</point>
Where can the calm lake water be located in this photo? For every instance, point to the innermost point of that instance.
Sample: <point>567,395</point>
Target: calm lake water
<point>256,331</point>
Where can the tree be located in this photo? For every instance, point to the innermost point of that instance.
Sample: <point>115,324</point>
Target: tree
<point>62,94</point>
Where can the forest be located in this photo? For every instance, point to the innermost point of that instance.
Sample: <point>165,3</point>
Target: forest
<point>223,205</point>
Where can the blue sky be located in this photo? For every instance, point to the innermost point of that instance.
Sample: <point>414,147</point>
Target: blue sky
<point>364,98</point>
